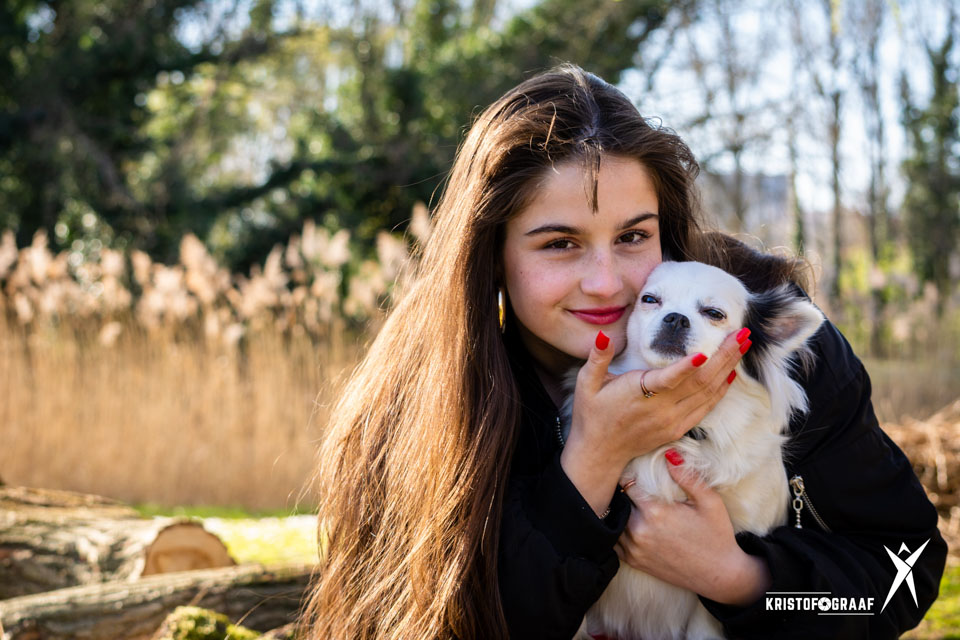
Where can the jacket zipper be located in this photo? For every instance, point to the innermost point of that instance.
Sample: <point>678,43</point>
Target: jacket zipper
<point>801,497</point>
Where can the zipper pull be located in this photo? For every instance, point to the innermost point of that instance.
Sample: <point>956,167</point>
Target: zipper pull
<point>797,483</point>
<point>800,497</point>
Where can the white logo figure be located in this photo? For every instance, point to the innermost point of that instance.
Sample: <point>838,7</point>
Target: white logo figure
<point>904,571</point>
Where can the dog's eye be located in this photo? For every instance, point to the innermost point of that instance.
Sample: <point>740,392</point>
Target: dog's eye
<point>714,314</point>
<point>649,299</point>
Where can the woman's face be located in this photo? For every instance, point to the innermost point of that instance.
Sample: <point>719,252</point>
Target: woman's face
<point>571,272</point>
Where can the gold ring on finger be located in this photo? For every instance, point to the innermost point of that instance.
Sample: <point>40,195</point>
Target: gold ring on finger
<point>646,392</point>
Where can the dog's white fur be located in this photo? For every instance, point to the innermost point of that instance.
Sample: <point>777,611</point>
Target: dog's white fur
<point>741,455</point>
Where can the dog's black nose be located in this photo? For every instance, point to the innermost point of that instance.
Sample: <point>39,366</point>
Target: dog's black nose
<point>676,321</point>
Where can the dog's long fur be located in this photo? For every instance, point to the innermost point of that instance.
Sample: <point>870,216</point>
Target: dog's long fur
<point>740,450</point>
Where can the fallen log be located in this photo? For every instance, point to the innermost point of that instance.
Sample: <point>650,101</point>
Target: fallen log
<point>258,597</point>
<point>286,632</point>
<point>29,503</point>
<point>37,556</point>
<point>57,539</point>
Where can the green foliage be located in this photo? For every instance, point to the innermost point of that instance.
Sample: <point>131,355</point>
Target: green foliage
<point>932,201</point>
<point>907,324</point>
<point>74,116</point>
<point>269,118</point>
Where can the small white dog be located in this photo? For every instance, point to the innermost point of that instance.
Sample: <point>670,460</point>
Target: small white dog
<point>686,308</point>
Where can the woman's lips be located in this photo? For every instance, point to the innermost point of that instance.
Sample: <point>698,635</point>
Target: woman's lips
<point>599,316</point>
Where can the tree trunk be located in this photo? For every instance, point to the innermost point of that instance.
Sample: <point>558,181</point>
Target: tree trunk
<point>260,598</point>
<point>837,204</point>
<point>56,539</point>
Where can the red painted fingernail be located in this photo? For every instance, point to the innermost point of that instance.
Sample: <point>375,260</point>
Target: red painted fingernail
<point>743,335</point>
<point>745,346</point>
<point>602,341</point>
<point>673,457</point>
<point>733,374</point>
<point>699,359</point>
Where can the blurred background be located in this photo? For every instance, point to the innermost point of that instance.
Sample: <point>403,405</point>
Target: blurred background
<point>206,205</point>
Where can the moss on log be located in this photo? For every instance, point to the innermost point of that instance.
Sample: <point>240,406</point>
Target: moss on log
<point>194,623</point>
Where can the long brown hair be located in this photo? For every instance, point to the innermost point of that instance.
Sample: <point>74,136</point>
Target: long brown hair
<point>416,456</point>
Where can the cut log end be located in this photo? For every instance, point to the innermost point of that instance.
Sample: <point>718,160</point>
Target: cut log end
<point>185,546</point>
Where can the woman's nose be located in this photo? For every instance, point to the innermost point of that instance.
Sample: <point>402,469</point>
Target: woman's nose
<point>601,276</point>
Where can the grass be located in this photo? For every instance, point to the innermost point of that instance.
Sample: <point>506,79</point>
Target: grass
<point>942,621</point>
<point>268,540</point>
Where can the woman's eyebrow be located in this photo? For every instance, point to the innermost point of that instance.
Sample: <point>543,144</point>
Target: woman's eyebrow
<point>637,220</point>
<point>567,230</point>
<point>554,228</point>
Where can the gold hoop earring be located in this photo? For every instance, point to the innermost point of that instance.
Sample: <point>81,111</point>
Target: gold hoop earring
<point>502,309</point>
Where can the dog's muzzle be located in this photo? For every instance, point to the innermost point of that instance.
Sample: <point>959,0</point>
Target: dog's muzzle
<point>671,337</point>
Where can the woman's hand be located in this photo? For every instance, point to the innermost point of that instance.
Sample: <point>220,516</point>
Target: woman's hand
<point>613,422</point>
<point>691,544</point>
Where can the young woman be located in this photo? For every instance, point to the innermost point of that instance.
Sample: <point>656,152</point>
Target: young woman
<point>448,506</point>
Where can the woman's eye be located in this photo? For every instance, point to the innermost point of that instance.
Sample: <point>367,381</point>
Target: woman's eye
<point>634,237</point>
<point>649,299</point>
<point>560,244</point>
<point>714,314</point>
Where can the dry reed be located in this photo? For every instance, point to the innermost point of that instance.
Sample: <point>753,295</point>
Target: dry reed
<point>166,422</point>
<point>933,446</point>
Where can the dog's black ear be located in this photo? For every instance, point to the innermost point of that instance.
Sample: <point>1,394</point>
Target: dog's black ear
<point>780,322</point>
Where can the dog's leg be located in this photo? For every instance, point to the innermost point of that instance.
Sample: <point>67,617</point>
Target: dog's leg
<point>703,626</point>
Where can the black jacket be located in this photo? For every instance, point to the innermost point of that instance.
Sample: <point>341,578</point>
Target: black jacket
<point>556,556</point>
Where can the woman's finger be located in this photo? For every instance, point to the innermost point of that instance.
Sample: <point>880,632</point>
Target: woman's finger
<point>731,351</point>
<point>668,378</point>
<point>720,367</point>
<point>691,483</point>
<point>593,374</point>
<point>697,371</point>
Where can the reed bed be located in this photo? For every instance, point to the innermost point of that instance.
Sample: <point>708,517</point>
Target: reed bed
<point>182,384</point>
